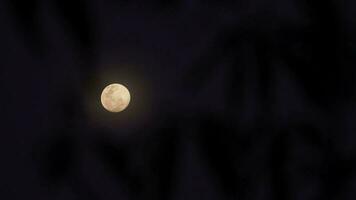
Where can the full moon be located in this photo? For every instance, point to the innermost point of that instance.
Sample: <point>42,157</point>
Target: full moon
<point>115,97</point>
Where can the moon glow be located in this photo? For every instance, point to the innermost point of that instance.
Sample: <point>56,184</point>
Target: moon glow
<point>115,97</point>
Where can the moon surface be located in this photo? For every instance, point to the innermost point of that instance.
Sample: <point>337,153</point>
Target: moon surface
<point>115,97</point>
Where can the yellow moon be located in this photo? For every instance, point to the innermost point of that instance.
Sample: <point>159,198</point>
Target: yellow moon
<point>115,97</point>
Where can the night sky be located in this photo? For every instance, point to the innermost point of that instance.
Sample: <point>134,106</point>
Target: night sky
<point>230,100</point>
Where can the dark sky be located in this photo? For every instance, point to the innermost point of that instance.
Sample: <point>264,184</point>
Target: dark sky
<point>230,100</point>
